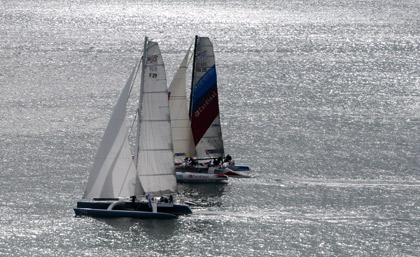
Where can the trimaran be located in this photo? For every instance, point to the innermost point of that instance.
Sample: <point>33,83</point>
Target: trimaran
<point>121,184</point>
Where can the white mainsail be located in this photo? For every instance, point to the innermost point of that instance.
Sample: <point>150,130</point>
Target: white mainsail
<point>155,166</point>
<point>180,122</point>
<point>113,172</point>
<point>204,107</point>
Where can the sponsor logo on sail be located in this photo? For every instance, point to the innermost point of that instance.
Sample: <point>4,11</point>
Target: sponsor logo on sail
<point>152,59</point>
<point>205,103</point>
<point>202,55</point>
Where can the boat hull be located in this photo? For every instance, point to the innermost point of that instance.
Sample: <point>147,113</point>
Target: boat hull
<point>199,177</point>
<point>234,174</point>
<point>175,209</point>
<point>239,167</point>
<point>123,214</point>
<point>199,170</point>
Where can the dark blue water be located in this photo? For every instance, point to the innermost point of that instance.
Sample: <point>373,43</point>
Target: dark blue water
<point>320,98</point>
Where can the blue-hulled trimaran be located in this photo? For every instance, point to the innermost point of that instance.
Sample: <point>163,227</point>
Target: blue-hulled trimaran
<point>121,185</point>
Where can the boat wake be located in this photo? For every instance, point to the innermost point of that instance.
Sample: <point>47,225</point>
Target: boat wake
<point>287,217</point>
<point>351,183</point>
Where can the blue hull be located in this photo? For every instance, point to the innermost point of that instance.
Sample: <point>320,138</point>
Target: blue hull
<point>239,168</point>
<point>174,209</point>
<point>123,214</point>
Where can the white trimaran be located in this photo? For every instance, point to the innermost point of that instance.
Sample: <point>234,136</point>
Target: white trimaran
<point>121,185</point>
<point>197,134</point>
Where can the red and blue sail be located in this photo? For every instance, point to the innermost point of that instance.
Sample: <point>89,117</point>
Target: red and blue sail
<point>204,104</point>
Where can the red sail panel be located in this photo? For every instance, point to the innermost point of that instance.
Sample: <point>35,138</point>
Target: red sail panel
<point>204,115</point>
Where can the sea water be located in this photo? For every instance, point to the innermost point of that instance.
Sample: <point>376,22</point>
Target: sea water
<point>319,98</point>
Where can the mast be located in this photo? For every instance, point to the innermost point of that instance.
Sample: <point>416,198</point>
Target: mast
<point>192,76</point>
<point>143,69</point>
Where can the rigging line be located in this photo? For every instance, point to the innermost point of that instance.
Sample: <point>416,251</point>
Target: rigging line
<point>134,121</point>
<point>131,88</point>
<point>192,77</point>
<point>141,96</point>
<point>135,76</point>
<point>190,56</point>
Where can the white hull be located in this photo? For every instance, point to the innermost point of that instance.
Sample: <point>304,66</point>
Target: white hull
<point>205,170</point>
<point>199,177</point>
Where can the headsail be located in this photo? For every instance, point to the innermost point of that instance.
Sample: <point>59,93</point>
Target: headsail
<point>113,173</point>
<point>180,121</point>
<point>204,106</point>
<point>155,165</point>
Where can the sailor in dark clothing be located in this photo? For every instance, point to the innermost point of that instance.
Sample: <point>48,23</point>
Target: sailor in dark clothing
<point>228,158</point>
<point>216,161</point>
<point>133,199</point>
<point>193,162</point>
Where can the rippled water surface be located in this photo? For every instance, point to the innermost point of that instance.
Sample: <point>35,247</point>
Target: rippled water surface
<point>320,98</point>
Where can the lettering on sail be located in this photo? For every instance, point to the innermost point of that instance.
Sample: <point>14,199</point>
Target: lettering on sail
<point>152,75</point>
<point>208,100</point>
<point>201,66</point>
<point>152,69</point>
